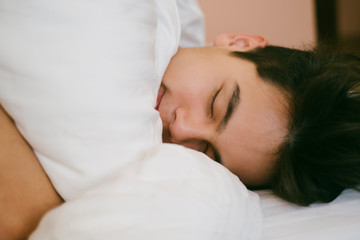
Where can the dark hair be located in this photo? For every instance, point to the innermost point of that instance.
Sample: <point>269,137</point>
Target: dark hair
<point>320,156</point>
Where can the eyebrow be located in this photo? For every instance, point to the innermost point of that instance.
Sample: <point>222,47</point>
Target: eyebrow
<point>233,103</point>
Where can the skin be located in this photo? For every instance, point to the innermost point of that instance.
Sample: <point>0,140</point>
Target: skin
<point>26,193</point>
<point>196,90</point>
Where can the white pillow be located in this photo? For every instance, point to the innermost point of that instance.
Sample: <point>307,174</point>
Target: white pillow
<point>192,24</point>
<point>80,79</point>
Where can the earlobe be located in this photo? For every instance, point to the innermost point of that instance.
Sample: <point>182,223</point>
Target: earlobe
<point>241,42</point>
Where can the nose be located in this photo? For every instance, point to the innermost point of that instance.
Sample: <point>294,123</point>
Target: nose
<point>190,129</point>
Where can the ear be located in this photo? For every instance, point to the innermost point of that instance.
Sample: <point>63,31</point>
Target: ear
<point>241,42</point>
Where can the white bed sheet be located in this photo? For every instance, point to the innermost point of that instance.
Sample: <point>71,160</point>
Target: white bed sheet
<point>338,220</point>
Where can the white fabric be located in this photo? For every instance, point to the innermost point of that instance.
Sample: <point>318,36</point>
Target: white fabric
<point>80,78</point>
<point>339,219</point>
<point>192,24</point>
<point>79,93</point>
<point>174,194</point>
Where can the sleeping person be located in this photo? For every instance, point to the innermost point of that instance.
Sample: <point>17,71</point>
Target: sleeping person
<point>278,117</point>
<point>275,117</point>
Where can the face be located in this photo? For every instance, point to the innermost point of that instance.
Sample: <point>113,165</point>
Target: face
<point>215,103</point>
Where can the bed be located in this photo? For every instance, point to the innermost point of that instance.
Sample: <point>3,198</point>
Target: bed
<point>80,79</point>
<point>339,219</point>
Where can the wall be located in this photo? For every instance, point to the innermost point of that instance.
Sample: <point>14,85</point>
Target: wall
<point>282,22</point>
<point>348,18</point>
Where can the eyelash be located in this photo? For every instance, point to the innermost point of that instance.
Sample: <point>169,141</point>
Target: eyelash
<point>212,103</point>
<point>216,155</point>
<point>206,148</point>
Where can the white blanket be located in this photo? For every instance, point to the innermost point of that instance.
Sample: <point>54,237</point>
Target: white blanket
<point>173,194</point>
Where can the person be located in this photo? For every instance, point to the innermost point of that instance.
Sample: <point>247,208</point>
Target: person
<point>206,93</point>
<point>277,117</point>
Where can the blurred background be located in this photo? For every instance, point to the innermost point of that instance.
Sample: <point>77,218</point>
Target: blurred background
<point>291,23</point>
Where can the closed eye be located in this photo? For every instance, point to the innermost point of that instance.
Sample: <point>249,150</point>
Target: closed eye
<point>206,148</point>
<point>212,103</point>
<point>213,154</point>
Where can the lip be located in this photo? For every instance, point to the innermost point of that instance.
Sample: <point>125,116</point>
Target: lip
<point>160,95</point>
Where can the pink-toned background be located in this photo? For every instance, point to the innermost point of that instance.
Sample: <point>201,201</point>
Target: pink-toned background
<point>283,22</point>
<point>290,23</point>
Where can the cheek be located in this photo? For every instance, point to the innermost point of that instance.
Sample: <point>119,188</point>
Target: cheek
<point>244,146</point>
<point>249,162</point>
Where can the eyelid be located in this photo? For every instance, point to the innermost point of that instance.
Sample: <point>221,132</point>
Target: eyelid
<point>217,157</point>
<point>213,98</point>
<point>206,148</point>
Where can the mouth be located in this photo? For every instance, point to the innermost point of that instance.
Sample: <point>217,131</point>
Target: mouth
<point>159,97</point>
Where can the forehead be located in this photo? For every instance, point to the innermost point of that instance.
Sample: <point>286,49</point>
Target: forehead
<point>253,135</point>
